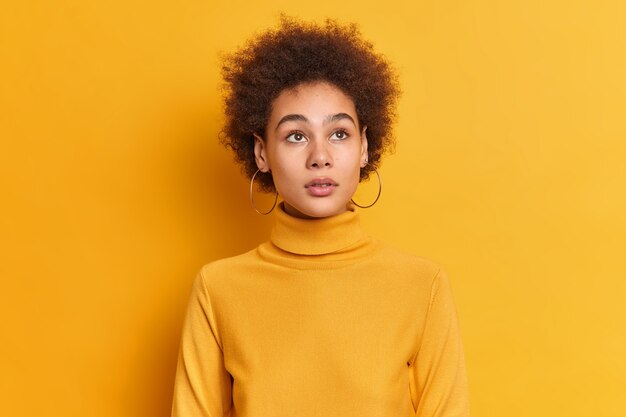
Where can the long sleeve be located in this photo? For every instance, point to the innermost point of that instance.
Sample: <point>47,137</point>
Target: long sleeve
<point>202,386</point>
<point>438,370</point>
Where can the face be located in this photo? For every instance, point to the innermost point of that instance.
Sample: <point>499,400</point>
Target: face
<point>314,147</point>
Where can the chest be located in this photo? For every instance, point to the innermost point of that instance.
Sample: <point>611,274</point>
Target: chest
<point>312,345</point>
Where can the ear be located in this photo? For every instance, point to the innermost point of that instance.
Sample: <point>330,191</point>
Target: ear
<point>364,154</point>
<point>260,154</point>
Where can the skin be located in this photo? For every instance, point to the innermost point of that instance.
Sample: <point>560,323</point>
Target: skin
<point>313,132</point>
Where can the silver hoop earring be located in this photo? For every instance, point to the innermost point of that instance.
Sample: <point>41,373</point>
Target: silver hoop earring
<point>252,198</point>
<point>380,189</point>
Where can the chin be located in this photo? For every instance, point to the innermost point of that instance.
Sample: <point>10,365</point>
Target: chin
<point>320,208</point>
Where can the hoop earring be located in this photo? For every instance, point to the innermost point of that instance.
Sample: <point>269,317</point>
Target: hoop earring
<point>252,198</point>
<point>380,189</point>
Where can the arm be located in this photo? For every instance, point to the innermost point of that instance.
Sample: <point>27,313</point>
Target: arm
<point>202,387</point>
<point>438,369</point>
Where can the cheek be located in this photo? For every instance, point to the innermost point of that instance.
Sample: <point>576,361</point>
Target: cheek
<point>283,173</point>
<point>352,160</point>
<point>351,173</point>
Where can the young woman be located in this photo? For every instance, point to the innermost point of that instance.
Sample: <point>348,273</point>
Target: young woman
<point>322,320</point>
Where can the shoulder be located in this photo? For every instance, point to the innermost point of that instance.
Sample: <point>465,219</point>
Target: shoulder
<point>425,273</point>
<point>216,272</point>
<point>403,262</point>
<point>414,270</point>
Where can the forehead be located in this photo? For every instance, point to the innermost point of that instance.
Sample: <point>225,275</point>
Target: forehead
<point>317,99</point>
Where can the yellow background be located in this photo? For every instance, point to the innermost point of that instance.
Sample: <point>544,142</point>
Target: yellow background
<point>509,171</point>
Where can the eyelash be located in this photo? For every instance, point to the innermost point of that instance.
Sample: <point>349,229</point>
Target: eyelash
<point>297,132</point>
<point>294,132</point>
<point>342,131</point>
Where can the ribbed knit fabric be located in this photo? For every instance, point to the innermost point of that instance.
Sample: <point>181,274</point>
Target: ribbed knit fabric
<point>321,321</point>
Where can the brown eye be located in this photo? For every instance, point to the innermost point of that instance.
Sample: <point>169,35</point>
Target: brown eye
<point>340,135</point>
<point>296,137</point>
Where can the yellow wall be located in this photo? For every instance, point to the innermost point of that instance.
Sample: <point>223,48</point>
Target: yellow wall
<point>509,171</point>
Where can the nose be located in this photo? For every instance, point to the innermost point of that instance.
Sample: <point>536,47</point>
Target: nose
<point>319,155</point>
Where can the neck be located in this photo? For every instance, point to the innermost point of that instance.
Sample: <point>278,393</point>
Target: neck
<point>315,236</point>
<point>318,243</point>
<point>292,211</point>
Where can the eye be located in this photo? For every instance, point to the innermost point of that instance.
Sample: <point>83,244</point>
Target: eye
<point>296,137</point>
<point>340,135</point>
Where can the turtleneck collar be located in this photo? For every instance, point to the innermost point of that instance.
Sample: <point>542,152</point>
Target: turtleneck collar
<point>316,236</point>
<point>318,244</point>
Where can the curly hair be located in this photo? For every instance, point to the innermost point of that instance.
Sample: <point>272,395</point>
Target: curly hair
<point>295,53</point>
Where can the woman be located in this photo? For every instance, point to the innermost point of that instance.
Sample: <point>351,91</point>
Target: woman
<point>322,319</point>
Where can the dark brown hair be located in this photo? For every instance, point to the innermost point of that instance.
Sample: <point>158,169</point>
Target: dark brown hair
<point>294,53</point>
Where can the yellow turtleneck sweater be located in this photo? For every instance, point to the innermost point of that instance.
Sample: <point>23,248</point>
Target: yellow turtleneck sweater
<point>321,321</point>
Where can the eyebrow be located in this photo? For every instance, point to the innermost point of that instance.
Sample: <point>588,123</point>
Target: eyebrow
<point>302,118</point>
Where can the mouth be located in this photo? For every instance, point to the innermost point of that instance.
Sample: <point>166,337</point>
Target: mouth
<point>321,183</point>
<point>321,187</point>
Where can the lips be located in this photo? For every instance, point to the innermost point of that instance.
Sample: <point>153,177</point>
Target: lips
<point>321,187</point>
<point>321,182</point>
